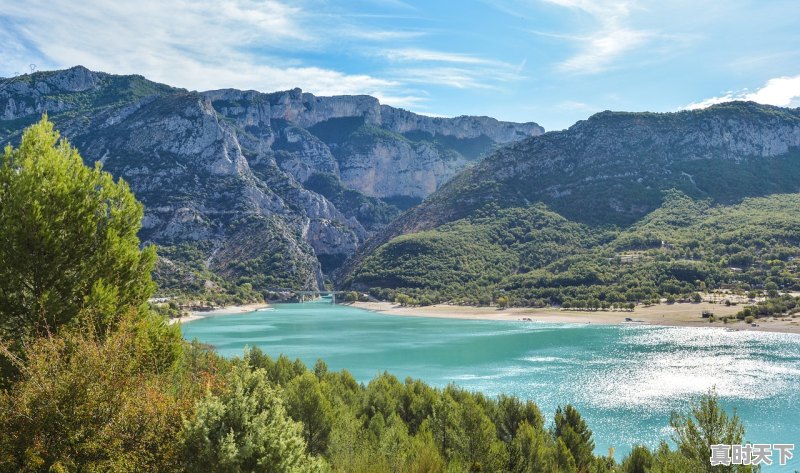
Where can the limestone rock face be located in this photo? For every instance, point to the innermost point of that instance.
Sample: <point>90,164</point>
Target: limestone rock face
<point>403,121</point>
<point>247,187</point>
<point>376,149</point>
<point>398,168</point>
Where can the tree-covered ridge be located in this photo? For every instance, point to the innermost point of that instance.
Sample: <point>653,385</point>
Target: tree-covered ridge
<point>471,256</point>
<point>612,169</point>
<point>533,256</point>
<point>611,174</point>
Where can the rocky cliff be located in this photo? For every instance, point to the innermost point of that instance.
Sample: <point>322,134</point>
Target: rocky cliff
<point>378,150</point>
<point>246,187</point>
<point>613,167</point>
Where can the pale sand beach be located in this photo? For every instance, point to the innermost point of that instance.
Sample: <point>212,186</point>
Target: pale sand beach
<point>674,315</point>
<point>233,309</point>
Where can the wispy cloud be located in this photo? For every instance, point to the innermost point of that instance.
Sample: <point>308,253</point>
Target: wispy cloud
<point>780,91</point>
<point>457,77</point>
<point>409,101</point>
<point>265,45</point>
<point>573,105</point>
<point>382,35</point>
<point>599,49</point>
<point>415,54</point>
<point>609,9</point>
<point>457,70</point>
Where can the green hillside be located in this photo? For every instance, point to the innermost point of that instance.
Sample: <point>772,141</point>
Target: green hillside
<point>536,257</point>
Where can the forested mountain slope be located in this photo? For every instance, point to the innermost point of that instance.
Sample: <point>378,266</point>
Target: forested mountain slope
<point>620,207</point>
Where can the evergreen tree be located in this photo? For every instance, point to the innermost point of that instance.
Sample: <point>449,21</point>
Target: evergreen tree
<point>68,240</point>
<point>478,447</point>
<point>704,425</point>
<point>531,451</point>
<point>510,412</point>
<point>571,429</point>
<point>306,403</point>
<point>640,460</point>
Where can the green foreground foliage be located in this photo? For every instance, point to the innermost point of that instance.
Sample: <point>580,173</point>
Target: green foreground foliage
<point>86,405</point>
<point>101,383</point>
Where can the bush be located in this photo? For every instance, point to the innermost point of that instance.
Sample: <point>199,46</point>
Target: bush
<point>502,302</point>
<point>86,403</point>
<point>245,428</point>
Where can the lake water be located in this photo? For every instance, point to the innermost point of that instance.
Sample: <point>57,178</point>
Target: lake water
<point>625,380</point>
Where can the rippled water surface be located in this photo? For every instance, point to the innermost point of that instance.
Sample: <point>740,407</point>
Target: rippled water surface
<point>625,380</point>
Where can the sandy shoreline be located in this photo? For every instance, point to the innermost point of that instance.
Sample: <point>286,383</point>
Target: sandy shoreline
<point>233,309</point>
<point>672,315</point>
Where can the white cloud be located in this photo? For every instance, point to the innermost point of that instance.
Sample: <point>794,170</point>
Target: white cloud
<point>244,44</point>
<point>13,55</point>
<point>434,115</point>
<point>601,49</point>
<point>382,35</point>
<point>599,8</point>
<point>402,101</point>
<point>197,45</point>
<point>781,91</point>
<point>573,105</point>
<point>457,77</point>
<point>454,77</point>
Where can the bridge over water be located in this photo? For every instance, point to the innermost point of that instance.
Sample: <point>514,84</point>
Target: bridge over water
<point>311,295</point>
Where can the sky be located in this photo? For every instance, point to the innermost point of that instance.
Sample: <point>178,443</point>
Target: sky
<point>553,62</point>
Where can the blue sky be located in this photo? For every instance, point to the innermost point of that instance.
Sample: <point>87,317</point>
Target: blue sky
<point>549,61</point>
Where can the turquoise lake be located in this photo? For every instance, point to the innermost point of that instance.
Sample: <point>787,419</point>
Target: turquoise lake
<point>624,379</point>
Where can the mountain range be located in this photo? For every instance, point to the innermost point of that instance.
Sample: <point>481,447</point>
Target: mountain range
<point>288,190</point>
<point>270,190</point>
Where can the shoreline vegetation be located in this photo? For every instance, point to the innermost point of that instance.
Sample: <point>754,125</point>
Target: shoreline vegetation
<point>669,315</point>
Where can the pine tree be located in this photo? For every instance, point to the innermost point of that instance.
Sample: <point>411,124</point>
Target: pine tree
<point>570,428</point>
<point>68,240</point>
